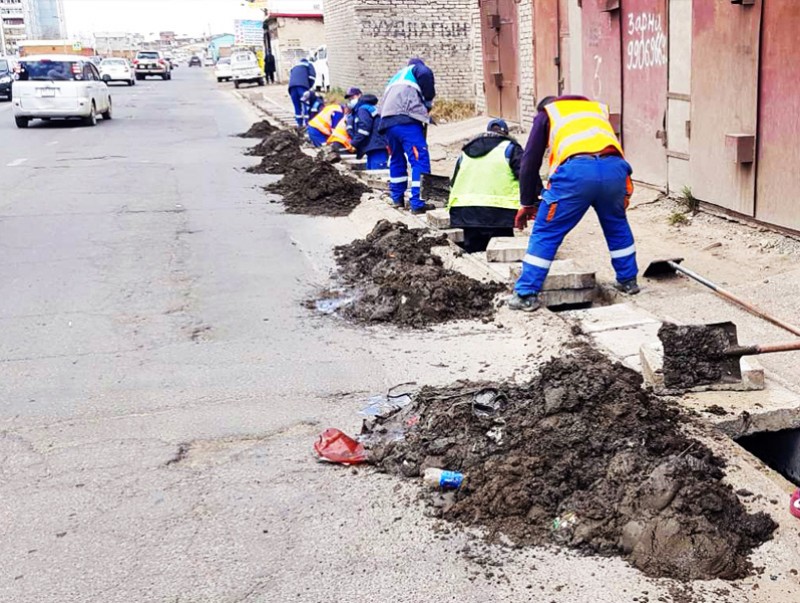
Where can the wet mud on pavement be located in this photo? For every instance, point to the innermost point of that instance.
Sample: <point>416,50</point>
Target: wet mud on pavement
<point>260,129</point>
<point>580,457</point>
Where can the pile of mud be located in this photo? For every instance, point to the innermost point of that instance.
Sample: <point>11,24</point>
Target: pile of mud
<point>396,279</point>
<point>693,355</point>
<point>279,152</point>
<point>260,129</point>
<point>582,457</point>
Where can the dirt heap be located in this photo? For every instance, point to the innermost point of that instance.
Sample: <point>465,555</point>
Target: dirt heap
<point>398,280</point>
<point>693,355</point>
<point>279,151</point>
<point>583,457</point>
<point>260,129</point>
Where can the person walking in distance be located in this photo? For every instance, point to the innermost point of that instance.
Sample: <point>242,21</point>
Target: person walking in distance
<point>587,169</point>
<point>302,78</point>
<point>405,113</point>
<point>269,67</point>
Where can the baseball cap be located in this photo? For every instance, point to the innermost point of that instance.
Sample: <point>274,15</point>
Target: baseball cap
<point>498,124</point>
<point>352,92</point>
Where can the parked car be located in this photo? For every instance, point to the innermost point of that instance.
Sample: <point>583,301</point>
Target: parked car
<point>223,70</point>
<point>245,69</point>
<point>6,77</point>
<point>59,86</point>
<point>151,62</point>
<point>195,61</point>
<point>209,62</point>
<point>319,59</point>
<point>117,70</point>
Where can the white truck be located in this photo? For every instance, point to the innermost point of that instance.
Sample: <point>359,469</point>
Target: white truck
<point>245,69</point>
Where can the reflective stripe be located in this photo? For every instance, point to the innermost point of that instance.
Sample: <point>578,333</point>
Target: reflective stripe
<point>583,135</point>
<point>364,132</point>
<point>623,253</point>
<point>538,262</point>
<point>415,184</point>
<point>398,179</point>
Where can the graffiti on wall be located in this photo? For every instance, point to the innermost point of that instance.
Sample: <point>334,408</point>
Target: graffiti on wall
<point>647,46</point>
<point>412,30</point>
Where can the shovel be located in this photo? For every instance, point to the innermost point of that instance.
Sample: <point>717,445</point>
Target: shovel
<point>708,354</point>
<point>666,268</point>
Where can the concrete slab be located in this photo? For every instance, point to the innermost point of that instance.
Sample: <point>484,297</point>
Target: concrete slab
<point>454,234</point>
<point>506,249</point>
<point>606,318</point>
<point>627,342</point>
<point>564,274</point>
<point>571,297</point>
<point>438,218</point>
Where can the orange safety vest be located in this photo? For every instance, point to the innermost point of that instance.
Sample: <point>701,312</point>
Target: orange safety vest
<point>324,119</point>
<point>341,135</point>
<point>577,127</point>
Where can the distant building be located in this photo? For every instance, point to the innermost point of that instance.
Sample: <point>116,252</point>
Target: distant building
<point>220,45</point>
<point>294,35</point>
<point>117,44</point>
<point>12,25</point>
<point>45,19</point>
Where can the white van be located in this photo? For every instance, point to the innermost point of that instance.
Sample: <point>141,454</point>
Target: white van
<point>59,86</point>
<point>245,69</point>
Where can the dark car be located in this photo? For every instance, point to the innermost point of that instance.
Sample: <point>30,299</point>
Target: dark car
<point>6,78</point>
<point>195,62</point>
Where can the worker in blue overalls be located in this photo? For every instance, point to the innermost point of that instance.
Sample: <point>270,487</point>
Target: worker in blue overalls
<point>405,113</point>
<point>302,78</point>
<point>363,126</point>
<point>587,169</point>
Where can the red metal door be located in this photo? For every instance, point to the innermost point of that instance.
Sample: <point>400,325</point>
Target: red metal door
<point>779,116</point>
<point>602,64</point>
<point>644,84</point>
<point>546,55</point>
<point>499,39</point>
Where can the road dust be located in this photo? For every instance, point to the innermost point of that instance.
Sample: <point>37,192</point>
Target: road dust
<point>394,278</point>
<point>692,355</point>
<point>279,152</point>
<point>260,129</point>
<point>582,457</point>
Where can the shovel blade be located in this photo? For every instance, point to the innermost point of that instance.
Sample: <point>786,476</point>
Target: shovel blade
<point>662,268</point>
<point>695,355</point>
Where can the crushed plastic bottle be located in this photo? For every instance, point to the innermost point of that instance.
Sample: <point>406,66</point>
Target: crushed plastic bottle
<point>439,478</point>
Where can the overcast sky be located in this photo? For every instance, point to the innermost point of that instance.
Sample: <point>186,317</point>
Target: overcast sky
<point>151,16</point>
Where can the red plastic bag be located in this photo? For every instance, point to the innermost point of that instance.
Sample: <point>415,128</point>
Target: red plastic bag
<point>794,504</point>
<point>337,447</point>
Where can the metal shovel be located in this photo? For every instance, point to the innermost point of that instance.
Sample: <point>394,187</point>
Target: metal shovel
<point>666,268</point>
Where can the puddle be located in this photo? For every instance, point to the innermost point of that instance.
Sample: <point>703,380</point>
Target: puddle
<point>780,450</point>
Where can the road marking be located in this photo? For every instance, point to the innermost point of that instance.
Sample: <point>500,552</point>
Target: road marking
<point>16,163</point>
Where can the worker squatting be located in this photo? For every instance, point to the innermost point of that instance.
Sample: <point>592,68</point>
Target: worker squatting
<point>496,185</point>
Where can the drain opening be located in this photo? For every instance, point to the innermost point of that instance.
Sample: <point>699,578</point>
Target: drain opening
<point>780,450</point>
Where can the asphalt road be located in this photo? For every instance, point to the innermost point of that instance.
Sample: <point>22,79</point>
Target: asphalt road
<point>161,385</point>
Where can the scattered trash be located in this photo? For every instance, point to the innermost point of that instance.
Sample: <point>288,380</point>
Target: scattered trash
<point>496,434</point>
<point>439,478</point>
<point>335,446</point>
<point>564,527</point>
<point>488,403</point>
<point>794,505</point>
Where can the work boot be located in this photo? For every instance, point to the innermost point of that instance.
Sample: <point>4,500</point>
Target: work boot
<point>629,287</point>
<point>424,208</point>
<point>399,205</point>
<point>524,303</point>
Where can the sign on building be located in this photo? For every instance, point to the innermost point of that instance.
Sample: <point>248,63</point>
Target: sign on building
<point>248,32</point>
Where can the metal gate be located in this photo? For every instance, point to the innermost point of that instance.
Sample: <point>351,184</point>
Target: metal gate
<point>644,88</point>
<point>779,116</point>
<point>602,64</point>
<point>546,49</point>
<point>499,39</point>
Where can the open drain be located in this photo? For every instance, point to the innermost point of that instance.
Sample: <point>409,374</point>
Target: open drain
<point>780,450</point>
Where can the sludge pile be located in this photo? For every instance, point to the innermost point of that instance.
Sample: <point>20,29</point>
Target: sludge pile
<point>396,279</point>
<point>279,152</point>
<point>581,457</point>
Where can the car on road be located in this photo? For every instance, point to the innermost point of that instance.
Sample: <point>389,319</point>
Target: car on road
<point>195,61</point>
<point>245,69</point>
<point>223,71</point>
<point>59,86</point>
<point>209,62</point>
<point>151,62</point>
<point>6,77</point>
<point>117,70</point>
<point>320,61</point>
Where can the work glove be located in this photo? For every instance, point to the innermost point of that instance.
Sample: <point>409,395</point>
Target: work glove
<point>525,213</point>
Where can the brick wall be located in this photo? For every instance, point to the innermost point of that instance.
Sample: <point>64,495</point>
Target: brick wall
<point>370,40</point>
<point>292,40</point>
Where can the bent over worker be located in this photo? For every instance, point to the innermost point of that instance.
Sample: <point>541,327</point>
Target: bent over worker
<point>587,169</point>
<point>321,127</point>
<point>484,193</point>
<point>364,129</point>
<point>302,78</point>
<point>405,111</point>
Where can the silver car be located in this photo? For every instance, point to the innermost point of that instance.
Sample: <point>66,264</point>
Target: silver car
<point>59,86</point>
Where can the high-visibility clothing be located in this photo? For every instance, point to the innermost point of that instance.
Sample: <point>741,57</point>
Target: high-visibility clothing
<point>486,181</point>
<point>579,127</point>
<point>341,135</point>
<point>326,120</point>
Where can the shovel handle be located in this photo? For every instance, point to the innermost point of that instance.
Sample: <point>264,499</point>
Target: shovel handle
<point>755,350</point>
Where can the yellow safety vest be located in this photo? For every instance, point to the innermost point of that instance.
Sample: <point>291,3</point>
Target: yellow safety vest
<point>341,135</point>
<point>324,119</point>
<point>486,181</point>
<point>576,127</point>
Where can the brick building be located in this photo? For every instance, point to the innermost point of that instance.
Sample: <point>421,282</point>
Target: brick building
<point>369,40</point>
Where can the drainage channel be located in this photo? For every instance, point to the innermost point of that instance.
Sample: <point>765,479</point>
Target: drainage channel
<point>779,450</point>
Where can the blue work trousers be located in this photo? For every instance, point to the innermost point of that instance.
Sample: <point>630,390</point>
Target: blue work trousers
<point>300,108</point>
<point>407,141</point>
<point>582,182</point>
<point>317,138</point>
<point>377,159</point>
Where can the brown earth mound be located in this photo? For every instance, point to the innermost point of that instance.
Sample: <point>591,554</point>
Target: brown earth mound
<point>280,151</point>
<point>398,280</point>
<point>260,129</point>
<point>582,457</point>
<point>315,187</point>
